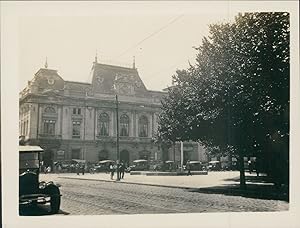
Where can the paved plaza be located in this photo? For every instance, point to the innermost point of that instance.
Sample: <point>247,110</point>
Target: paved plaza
<point>96,194</point>
<point>194,181</point>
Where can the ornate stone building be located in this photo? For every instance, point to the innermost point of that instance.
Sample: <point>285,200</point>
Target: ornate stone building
<point>75,120</point>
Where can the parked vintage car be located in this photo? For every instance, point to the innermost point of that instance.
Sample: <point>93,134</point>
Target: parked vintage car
<point>31,191</point>
<point>214,165</point>
<point>138,165</point>
<point>103,166</point>
<point>196,165</point>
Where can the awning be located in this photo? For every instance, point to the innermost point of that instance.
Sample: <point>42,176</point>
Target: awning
<point>30,149</point>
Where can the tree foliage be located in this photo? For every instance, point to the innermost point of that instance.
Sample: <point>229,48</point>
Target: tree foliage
<point>236,96</point>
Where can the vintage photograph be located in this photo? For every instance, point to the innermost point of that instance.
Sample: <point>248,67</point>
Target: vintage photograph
<point>158,110</point>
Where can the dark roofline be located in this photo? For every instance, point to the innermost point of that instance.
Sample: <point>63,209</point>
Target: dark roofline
<point>86,83</point>
<point>55,71</point>
<point>115,66</point>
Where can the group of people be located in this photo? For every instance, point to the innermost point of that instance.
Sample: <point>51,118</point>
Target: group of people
<point>80,168</point>
<point>120,168</point>
<point>47,169</point>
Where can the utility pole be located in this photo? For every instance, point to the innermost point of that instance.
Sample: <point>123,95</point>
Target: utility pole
<point>118,154</point>
<point>181,155</point>
<point>174,150</point>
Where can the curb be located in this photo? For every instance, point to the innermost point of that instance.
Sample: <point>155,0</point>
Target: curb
<point>145,173</point>
<point>120,182</point>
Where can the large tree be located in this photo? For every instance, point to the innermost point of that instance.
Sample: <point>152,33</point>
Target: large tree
<point>236,96</point>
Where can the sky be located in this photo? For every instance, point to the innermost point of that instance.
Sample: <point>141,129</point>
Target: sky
<point>160,37</point>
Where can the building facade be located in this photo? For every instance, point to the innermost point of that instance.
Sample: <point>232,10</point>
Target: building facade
<point>75,120</point>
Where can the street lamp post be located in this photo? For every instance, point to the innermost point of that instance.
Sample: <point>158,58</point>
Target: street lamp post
<point>118,154</point>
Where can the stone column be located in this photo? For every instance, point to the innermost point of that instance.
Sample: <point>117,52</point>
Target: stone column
<point>112,120</point>
<point>136,124</point>
<point>150,117</point>
<point>131,122</point>
<point>95,122</point>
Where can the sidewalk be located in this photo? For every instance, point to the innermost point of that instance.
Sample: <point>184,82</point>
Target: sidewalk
<point>213,183</point>
<point>195,181</point>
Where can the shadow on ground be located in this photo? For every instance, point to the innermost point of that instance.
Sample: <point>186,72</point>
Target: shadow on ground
<point>38,210</point>
<point>259,187</point>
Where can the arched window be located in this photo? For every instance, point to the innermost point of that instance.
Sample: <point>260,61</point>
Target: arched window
<point>49,110</point>
<point>124,125</point>
<point>103,124</point>
<point>143,126</point>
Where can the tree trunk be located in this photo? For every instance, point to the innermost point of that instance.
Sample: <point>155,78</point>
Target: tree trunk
<point>242,172</point>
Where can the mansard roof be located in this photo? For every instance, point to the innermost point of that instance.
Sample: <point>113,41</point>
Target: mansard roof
<point>106,80</point>
<point>105,77</point>
<point>48,78</point>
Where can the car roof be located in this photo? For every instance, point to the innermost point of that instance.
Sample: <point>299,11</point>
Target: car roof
<point>195,162</point>
<point>106,161</point>
<point>214,162</point>
<point>140,160</point>
<point>78,160</point>
<point>28,149</point>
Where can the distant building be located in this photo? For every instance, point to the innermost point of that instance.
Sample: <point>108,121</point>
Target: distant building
<point>75,120</point>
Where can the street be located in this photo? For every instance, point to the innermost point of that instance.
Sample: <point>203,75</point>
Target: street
<point>88,197</point>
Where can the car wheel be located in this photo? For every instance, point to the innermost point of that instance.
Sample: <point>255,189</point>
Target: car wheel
<point>54,194</point>
<point>55,204</point>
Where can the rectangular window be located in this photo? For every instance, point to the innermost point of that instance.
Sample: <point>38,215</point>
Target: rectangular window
<point>77,111</point>
<point>76,130</point>
<point>49,127</point>
<point>75,153</point>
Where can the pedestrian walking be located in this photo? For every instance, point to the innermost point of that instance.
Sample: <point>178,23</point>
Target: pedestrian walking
<point>82,169</point>
<point>59,168</point>
<point>250,166</point>
<point>77,168</point>
<point>48,169</point>
<point>188,167</point>
<point>122,170</point>
<point>112,171</point>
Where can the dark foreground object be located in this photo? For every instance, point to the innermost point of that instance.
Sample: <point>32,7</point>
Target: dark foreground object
<point>37,210</point>
<point>32,192</point>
